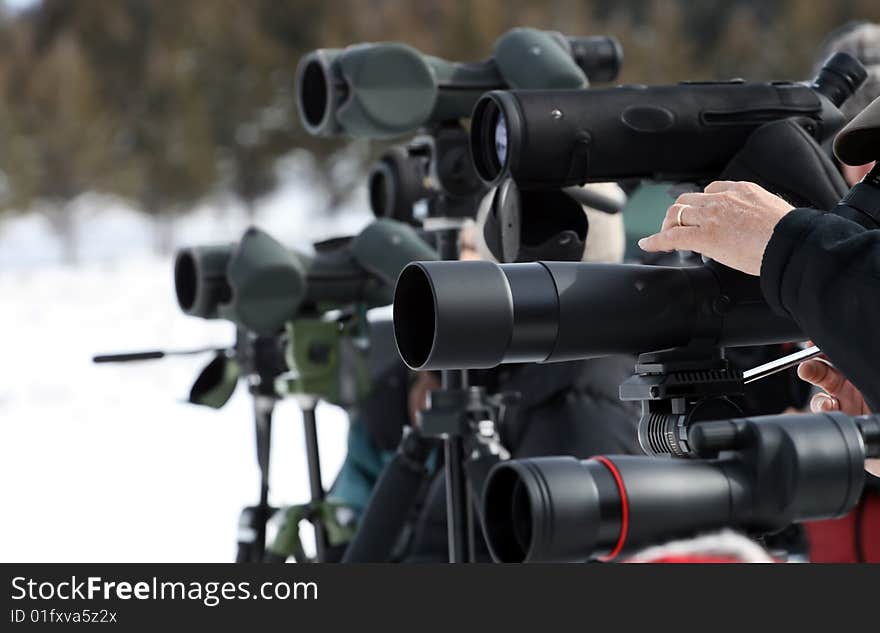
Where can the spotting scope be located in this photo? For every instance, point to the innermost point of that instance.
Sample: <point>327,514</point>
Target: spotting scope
<point>759,475</point>
<point>260,284</point>
<point>384,89</point>
<point>473,315</point>
<point>686,132</point>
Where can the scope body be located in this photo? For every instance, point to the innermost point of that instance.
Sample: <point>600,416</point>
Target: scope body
<point>683,132</point>
<point>470,315</point>
<point>384,89</point>
<point>260,284</point>
<point>769,472</point>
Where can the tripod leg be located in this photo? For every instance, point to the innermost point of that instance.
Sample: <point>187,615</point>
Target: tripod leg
<point>456,482</point>
<point>252,525</point>
<point>317,487</point>
<point>456,500</point>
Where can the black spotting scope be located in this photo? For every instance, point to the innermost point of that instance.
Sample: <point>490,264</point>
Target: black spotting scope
<point>383,89</point>
<point>475,315</point>
<point>684,132</point>
<point>759,474</point>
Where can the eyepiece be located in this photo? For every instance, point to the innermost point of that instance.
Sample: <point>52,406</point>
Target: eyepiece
<point>839,78</point>
<point>494,135</point>
<point>600,57</point>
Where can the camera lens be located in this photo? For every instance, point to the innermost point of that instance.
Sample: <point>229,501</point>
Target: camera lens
<point>501,139</point>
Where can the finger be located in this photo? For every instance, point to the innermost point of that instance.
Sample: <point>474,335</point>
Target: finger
<point>823,403</point>
<point>670,219</point>
<point>697,199</point>
<point>677,215</point>
<point>720,186</point>
<point>679,238</point>
<point>821,373</point>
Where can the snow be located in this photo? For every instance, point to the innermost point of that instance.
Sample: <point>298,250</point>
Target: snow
<point>106,463</point>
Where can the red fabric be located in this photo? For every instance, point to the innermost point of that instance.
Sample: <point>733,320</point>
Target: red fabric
<point>835,541</point>
<point>695,559</point>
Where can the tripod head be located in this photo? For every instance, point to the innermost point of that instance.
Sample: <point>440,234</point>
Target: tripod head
<point>327,358</point>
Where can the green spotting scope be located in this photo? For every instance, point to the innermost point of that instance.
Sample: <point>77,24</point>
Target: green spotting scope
<point>385,89</point>
<point>261,285</point>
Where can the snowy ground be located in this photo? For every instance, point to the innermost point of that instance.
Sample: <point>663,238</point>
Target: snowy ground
<point>107,463</point>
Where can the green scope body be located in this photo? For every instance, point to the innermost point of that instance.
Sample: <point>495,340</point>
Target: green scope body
<point>260,284</point>
<point>385,89</point>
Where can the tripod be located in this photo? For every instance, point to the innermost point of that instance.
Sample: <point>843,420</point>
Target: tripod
<point>260,360</point>
<point>326,360</point>
<point>463,417</point>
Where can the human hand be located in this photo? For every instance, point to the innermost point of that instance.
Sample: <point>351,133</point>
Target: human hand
<point>839,394</point>
<point>731,222</point>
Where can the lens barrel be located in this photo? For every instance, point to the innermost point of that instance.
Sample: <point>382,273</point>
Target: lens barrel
<point>687,132</point>
<point>200,281</point>
<point>469,315</point>
<point>794,468</point>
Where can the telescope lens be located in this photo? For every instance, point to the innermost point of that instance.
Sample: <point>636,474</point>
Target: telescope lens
<point>501,139</point>
<point>185,280</point>
<point>313,93</point>
<point>491,137</point>
<point>521,517</point>
<point>378,186</point>
<point>414,322</point>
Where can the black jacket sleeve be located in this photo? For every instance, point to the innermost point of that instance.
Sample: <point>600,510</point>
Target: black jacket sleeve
<point>823,271</point>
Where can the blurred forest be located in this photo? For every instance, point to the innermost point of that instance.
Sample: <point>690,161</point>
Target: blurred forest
<point>168,104</point>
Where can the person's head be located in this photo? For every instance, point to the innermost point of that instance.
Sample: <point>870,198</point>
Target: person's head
<point>862,41</point>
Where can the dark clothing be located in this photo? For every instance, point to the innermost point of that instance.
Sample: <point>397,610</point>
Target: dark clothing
<point>566,409</point>
<point>823,271</point>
